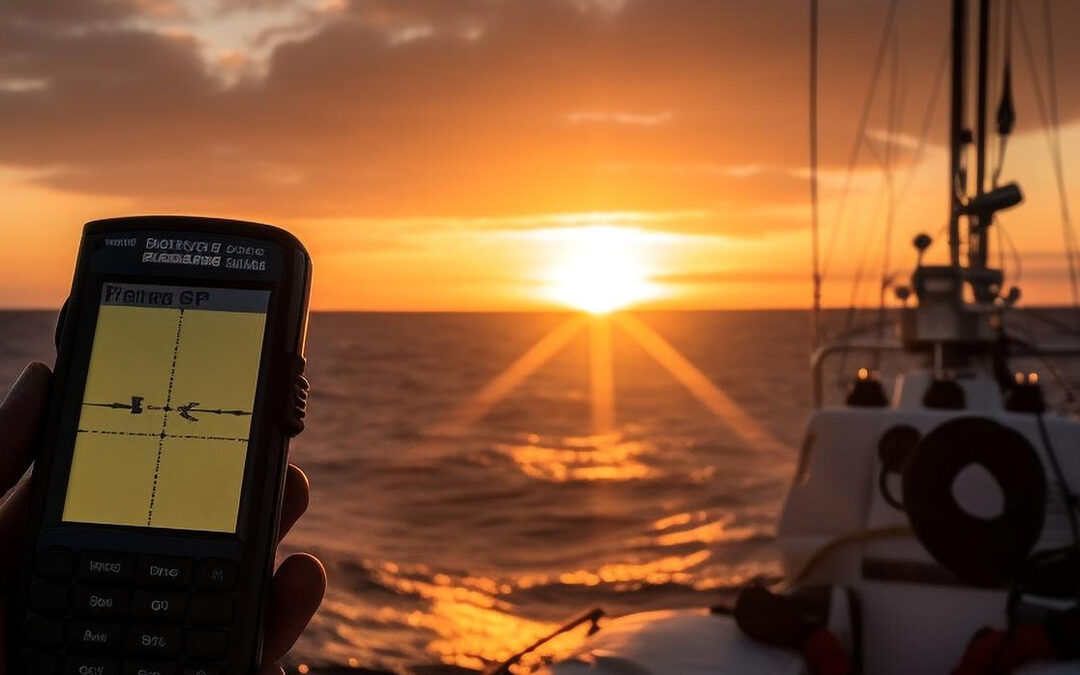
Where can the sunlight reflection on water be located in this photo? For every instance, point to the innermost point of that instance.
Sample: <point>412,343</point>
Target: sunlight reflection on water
<point>590,458</point>
<point>503,519</point>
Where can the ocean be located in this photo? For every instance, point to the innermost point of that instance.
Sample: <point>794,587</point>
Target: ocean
<point>465,506</point>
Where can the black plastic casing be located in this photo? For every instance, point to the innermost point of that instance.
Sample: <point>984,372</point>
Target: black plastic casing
<point>277,414</point>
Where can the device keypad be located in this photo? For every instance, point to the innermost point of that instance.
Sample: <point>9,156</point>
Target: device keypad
<point>128,615</point>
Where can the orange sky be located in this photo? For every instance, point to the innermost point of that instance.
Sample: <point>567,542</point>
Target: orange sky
<point>456,154</point>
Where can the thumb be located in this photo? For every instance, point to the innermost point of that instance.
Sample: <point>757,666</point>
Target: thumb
<point>3,634</point>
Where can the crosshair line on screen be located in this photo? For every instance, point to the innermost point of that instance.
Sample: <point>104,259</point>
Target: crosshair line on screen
<point>186,411</point>
<point>111,432</point>
<point>165,418</point>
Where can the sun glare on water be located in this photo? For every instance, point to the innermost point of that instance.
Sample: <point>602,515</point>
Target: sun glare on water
<point>601,269</point>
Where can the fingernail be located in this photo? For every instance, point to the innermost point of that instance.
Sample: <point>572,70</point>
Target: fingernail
<point>21,384</point>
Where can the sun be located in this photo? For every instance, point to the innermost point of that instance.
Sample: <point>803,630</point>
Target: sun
<point>601,269</point>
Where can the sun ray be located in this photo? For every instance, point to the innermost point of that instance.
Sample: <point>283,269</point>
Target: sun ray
<point>602,375</point>
<point>458,422</point>
<point>730,413</point>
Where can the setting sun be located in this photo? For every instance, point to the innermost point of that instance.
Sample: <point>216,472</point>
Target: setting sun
<point>603,269</point>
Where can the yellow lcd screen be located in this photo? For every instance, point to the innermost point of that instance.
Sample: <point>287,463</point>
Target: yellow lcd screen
<point>163,429</point>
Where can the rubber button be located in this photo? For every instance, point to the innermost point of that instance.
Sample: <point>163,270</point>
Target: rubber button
<point>38,663</point>
<point>49,598</point>
<point>96,637</point>
<point>217,574</point>
<point>39,631</point>
<point>206,644</point>
<point>153,641</point>
<point>55,562</point>
<point>164,571</point>
<point>83,665</point>
<point>154,606</point>
<point>107,567</point>
<point>150,669</point>
<point>211,609</point>
<point>101,603</point>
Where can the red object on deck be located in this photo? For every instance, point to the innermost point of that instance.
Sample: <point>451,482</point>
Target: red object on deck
<point>824,655</point>
<point>995,652</point>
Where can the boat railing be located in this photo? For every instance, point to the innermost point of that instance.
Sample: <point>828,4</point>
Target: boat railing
<point>1020,349</point>
<point>817,361</point>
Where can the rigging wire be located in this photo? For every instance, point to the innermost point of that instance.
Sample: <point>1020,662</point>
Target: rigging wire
<point>864,119</point>
<point>870,244</point>
<point>1055,150</point>
<point>869,247</point>
<point>1027,337</point>
<point>1000,251</point>
<point>993,59</point>
<point>1006,116</point>
<point>927,122</point>
<point>886,163</point>
<point>1067,495</point>
<point>1059,165</point>
<point>1048,320</point>
<point>814,206</point>
<point>1017,261</point>
<point>894,119</point>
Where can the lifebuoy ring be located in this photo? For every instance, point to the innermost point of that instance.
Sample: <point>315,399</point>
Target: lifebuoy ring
<point>982,551</point>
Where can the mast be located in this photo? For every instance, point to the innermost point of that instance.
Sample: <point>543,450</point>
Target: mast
<point>980,223</point>
<point>957,184</point>
<point>944,321</point>
<point>980,102</point>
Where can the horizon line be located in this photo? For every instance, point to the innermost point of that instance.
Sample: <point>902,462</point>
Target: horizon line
<point>568,310</point>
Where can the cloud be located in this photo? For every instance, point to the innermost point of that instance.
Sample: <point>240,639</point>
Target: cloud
<point>85,12</point>
<point>644,119</point>
<point>736,276</point>
<point>452,108</point>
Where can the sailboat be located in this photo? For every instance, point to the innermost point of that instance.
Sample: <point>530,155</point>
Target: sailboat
<point>917,517</point>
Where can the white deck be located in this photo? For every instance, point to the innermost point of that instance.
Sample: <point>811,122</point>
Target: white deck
<point>906,627</point>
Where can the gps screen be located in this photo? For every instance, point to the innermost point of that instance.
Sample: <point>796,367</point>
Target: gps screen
<point>165,416</point>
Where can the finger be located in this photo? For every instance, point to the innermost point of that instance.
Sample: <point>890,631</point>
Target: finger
<point>296,498</point>
<point>13,512</point>
<point>295,595</point>
<point>3,634</point>
<point>20,415</point>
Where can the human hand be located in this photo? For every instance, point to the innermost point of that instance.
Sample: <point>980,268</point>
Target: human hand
<point>298,585</point>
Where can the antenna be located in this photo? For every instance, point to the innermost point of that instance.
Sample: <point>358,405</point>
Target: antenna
<point>957,188</point>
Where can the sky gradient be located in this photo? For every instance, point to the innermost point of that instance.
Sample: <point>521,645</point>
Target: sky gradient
<point>449,154</point>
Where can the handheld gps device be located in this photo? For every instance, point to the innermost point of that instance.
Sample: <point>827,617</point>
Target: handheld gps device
<point>155,499</point>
